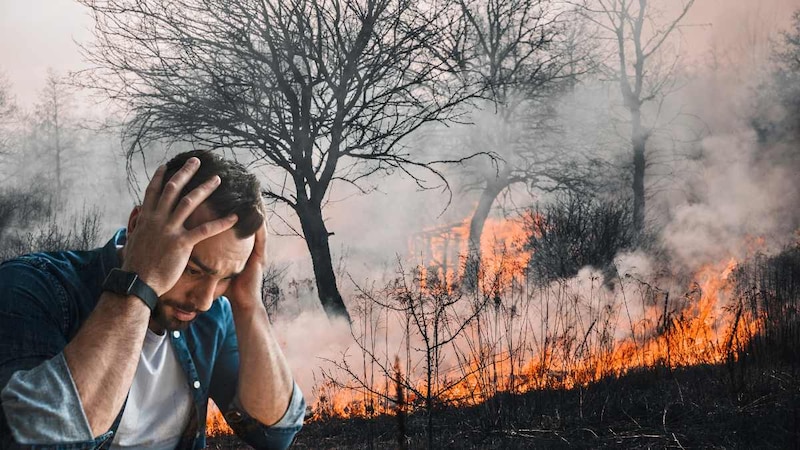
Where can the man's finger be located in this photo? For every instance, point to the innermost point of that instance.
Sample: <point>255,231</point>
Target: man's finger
<point>193,199</point>
<point>211,228</point>
<point>151,193</point>
<point>260,246</point>
<point>175,185</point>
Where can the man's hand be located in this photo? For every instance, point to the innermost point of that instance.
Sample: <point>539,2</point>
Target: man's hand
<point>245,290</point>
<point>159,245</point>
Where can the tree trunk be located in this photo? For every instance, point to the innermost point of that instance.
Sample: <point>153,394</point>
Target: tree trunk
<point>638,140</point>
<point>493,188</point>
<point>316,235</point>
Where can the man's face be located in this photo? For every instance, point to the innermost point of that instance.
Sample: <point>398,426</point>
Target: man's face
<point>213,265</point>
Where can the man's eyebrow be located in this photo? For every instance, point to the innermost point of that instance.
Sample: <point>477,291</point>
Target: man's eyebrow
<point>209,270</point>
<point>205,268</point>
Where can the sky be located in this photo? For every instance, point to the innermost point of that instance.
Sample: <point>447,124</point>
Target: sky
<point>37,34</point>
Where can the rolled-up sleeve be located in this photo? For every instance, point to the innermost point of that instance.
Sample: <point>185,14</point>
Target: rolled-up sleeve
<point>40,404</point>
<point>277,436</point>
<point>224,392</point>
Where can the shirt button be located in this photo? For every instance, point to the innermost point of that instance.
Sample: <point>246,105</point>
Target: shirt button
<point>196,384</point>
<point>176,334</point>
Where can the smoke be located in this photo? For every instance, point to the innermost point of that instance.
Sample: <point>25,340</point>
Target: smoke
<point>716,195</point>
<point>742,201</point>
<point>308,340</point>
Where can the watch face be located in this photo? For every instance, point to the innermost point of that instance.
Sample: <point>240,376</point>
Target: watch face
<point>119,281</point>
<point>128,283</point>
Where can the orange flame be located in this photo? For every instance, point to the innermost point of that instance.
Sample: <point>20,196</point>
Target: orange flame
<point>215,422</point>
<point>445,249</point>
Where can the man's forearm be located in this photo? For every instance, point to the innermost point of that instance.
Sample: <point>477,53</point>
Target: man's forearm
<point>103,356</point>
<point>265,380</point>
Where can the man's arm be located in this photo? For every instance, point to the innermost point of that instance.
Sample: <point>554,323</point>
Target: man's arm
<point>39,401</point>
<point>103,356</point>
<point>266,390</point>
<point>265,380</point>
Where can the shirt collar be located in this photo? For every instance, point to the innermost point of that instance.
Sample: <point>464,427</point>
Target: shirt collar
<point>109,255</point>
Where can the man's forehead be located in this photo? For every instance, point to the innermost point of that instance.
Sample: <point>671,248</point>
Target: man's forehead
<point>223,254</point>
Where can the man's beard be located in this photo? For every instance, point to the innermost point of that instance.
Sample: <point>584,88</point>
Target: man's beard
<point>159,316</point>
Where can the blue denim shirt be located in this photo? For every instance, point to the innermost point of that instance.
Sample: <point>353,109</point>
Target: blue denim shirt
<point>44,299</point>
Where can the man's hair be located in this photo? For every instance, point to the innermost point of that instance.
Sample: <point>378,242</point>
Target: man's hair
<point>238,193</point>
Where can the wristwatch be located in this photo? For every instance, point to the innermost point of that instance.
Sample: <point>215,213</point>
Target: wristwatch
<point>128,283</point>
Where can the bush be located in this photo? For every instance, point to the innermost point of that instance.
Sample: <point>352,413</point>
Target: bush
<point>575,232</point>
<point>769,289</point>
<point>29,224</point>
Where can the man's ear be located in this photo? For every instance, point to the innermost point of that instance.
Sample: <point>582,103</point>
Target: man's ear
<point>133,218</point>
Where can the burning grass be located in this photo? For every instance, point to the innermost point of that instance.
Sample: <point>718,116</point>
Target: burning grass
<point>460,350</point>
<point>693,407</point>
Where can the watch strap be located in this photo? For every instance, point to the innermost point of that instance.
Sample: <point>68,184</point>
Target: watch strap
<point>121,282</point>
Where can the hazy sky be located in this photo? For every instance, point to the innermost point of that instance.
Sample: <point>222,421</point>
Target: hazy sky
<point>37,34</point>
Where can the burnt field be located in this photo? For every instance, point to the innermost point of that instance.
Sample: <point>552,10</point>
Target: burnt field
<point>738,405</point>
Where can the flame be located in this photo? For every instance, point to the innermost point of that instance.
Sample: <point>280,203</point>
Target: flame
<point>444,249</point>
<point>699,328</point>
<point>215,422</point>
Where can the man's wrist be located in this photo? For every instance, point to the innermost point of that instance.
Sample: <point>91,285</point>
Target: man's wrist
<point>245,304</point>
<point>129,283</point>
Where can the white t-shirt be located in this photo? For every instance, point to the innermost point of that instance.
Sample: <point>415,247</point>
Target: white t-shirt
<point>159,402</point>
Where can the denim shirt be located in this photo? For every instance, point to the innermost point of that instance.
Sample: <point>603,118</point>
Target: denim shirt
<point>44,300</point>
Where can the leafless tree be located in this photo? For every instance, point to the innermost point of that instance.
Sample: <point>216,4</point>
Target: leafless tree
<point>522,53</point>
<point>643,68</point>
<point>8,110</point>
<point>54,129</point>
<point>777,113</point>
<point>436,313</point>
<point>323,91</point>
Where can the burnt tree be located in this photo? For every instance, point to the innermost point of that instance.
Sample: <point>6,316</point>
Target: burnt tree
<point>522,53</point>
<point>323,91</point>
<point>643,69</point>
<point>53,123</point>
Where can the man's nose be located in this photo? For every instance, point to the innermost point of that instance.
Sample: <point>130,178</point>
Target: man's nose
<point>204,294</point>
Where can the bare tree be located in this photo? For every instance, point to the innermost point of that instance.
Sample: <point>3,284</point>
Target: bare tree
<point>776,117</point>
<point>435,313</point>
<point>324,91</point>
<point>8,110</point>
<point>643,68</point>
<point>53,124</point>
<point>522,53</point>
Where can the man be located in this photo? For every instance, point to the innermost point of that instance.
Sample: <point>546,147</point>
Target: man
<point>121,346</point>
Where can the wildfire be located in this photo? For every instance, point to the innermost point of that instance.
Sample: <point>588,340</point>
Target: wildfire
<point>502,254</point>
<point>518,345</point>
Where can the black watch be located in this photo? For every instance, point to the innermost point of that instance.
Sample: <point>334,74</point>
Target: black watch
<point>128,283</point>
